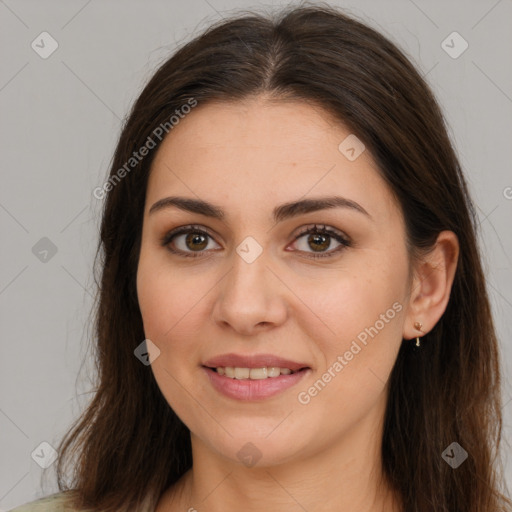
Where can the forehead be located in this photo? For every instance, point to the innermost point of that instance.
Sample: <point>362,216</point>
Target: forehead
<point>280,126</point>
<point>267,152</point>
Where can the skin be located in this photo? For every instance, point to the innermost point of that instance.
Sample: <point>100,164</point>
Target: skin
<point>247,158</point>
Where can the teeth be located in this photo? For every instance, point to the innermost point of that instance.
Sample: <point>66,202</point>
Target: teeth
<point>252,373</point>
<point>241,373</point>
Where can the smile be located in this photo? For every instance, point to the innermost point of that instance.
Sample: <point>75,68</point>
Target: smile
<point>253,384</point>
<point>253,373</point>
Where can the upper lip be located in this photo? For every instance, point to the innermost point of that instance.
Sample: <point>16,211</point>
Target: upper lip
<point>253,361</point>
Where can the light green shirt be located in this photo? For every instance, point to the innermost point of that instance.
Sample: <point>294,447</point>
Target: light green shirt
<point>53,503</point>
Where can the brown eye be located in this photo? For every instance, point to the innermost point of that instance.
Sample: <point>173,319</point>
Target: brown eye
<point>196,241</point>
<point>191,241</point>
<point>319,240</point>
<point>187,241</point>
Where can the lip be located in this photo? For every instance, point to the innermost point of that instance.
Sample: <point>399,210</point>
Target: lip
<point>253,390</point>
<point>257,389</point>
<point>253,361</point>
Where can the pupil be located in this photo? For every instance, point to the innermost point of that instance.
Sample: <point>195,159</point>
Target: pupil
<point>193,238</point>
<point>317,239</point>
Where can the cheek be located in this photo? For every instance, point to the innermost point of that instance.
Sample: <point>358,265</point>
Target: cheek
<point>356,363</point>
<point>166,297</point>
<point>154,303</point>
<point>364,309</point>
<point>368,285</point>
<point>166,301</point>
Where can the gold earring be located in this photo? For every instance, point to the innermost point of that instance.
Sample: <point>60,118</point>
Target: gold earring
<point>418,326</point>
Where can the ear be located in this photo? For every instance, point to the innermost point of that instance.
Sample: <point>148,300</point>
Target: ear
<point>431,285</point>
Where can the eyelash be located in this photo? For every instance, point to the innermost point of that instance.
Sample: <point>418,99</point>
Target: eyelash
<point>314,229</point>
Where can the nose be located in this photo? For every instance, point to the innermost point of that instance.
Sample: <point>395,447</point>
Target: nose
<point>250,297</point>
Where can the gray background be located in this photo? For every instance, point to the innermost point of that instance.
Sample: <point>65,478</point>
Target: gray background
<point>60,119</point>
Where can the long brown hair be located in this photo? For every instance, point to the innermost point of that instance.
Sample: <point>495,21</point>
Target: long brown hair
<point>129,445</point>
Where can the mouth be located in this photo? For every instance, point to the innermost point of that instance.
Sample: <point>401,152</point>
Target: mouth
<point>245,373</point>
<point>253,377</point>
<point>240,366</point>
<point>254,384</point>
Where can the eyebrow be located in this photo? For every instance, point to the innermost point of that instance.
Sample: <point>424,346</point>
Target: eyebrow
<point>280,213</point>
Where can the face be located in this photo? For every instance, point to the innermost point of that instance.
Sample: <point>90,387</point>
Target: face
<point>251,277</point>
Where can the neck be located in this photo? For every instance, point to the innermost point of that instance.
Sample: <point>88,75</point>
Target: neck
<point>345,476</point>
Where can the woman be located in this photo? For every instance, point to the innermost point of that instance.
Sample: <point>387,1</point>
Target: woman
<point>292,313</point>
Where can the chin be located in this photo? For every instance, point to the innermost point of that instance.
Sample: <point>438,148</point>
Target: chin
<point>255,449</point>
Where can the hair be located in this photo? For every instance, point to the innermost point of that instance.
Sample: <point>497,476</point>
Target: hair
<point>129,446</point>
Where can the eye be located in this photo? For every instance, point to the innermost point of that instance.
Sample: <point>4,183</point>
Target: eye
<point>320,239</point>
<point>190,241</point>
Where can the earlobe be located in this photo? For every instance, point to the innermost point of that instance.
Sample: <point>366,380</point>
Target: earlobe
<point>431,286</point>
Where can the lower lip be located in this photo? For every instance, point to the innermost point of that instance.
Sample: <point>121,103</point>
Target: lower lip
<point>253,389</point>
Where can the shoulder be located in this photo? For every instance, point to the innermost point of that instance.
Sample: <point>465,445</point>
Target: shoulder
<point>58,502</point>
